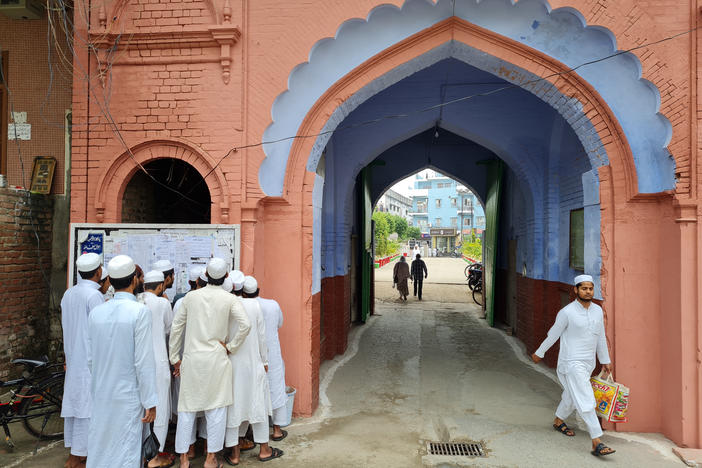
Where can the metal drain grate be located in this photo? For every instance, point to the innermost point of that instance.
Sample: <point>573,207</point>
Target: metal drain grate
<point>455,449</point>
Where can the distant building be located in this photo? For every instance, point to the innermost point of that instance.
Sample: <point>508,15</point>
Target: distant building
<point>396,203</point>
<point>445,211</point>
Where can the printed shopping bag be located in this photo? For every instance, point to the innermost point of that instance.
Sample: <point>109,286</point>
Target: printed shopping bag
<point>612,398</point>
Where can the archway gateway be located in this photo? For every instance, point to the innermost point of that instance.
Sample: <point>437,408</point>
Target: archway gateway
<point>616,200</point>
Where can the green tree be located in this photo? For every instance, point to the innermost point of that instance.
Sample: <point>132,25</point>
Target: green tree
<point>401,227</point>
<point>414,232</point>
<point>382,231</point>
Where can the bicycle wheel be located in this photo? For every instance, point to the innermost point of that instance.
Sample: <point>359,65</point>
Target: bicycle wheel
<point>467,272</point>
<point>43,412</point>
<point>479,292</point>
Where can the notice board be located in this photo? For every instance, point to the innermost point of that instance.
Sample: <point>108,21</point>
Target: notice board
<point>185,245</point>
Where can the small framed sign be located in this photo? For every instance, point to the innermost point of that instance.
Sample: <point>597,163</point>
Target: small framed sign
<point>43,174</point>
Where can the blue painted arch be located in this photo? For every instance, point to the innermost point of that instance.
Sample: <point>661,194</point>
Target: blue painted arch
<point>561,34</point>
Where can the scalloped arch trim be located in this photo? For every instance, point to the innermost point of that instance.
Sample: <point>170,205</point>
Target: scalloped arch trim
<point>561,34</point>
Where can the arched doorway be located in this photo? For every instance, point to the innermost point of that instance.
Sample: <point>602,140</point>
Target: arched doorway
<point>173,191</point>
<point>583,160</point>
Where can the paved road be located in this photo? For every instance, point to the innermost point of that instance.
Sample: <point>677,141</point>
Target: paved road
<point>442,270</point>
<point>429,371</point>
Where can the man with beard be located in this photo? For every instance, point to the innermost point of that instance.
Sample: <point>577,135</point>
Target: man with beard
<point>580,327</point>
<point>166,267</point>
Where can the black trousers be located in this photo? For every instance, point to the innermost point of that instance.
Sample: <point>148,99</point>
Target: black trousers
<point>418,286</point>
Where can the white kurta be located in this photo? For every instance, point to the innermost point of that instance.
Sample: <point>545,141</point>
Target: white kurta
<point>202,321</point>
<point>582,334</point>
<point>123,381</point>
<point>175,381</point>
<point>273,318</point>
<point>160,309</point>
<point>76,305</point>
<point>252,396</point>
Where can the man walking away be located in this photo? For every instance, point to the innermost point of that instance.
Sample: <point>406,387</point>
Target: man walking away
<point>400,275</point>
<point>419,272</point>
<point>273,318</point>
<point>252,402</point>
<point>160,312</point>
<point>205,371</point>
<point>580,327</point>
<point>123,380</point>
<point>76,305</point>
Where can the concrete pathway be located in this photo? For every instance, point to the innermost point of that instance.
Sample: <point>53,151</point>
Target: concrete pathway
<point>425,371</point>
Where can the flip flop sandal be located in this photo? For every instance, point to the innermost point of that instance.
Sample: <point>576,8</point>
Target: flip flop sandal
<point>275,453</point>
<point>563,429</point>
<point>598,452</point>
<point>228,460</point>
<point>278,439</point>
<point>253,446</point>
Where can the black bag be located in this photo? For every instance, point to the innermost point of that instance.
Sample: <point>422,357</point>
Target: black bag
<point>151,445</point>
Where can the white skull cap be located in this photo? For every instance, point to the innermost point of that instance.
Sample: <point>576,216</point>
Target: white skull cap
<point>88,262</point>
<point>121,266</point>
<point>104,274</point>
<point>194,272</point>
<point>250,285</point>
<point>217,268</point>
<point>203,275</point>
<point>237,278</point>
<point>162,265</point>
<point>228,284</point>
<point>582,278</point>
<point>154,276</point>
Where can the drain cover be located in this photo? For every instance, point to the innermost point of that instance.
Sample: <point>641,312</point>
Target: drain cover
<point>455,449</point>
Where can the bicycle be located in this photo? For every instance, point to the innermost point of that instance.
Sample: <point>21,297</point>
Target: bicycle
<point>478,289</point>
<point>35,399</point>
<point>471,267</point>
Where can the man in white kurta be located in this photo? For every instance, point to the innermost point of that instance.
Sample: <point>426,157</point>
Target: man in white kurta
<point>273,318</point>
<point>252,400</point>
<point>201,327</point>
<point>580,327</point>
<point>123,380</point>
<point>76,304</point>
<point>160,311</point>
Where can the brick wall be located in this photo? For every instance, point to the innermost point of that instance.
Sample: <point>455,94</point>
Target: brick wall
<point>336,302</point>
<point>45,98</point>
<point>138,203</point>
<point>25,320</point>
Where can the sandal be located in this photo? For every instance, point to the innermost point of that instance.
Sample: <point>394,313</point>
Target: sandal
<point>600,450</point>
<point>278,439</point>
<point>275,453</point>
<point>246,449</point>
<point>228,460</point>
<point>565,430</point>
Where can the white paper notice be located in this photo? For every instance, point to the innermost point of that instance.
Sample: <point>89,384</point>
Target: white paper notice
<point>19,131</point>
<point>199,246</point>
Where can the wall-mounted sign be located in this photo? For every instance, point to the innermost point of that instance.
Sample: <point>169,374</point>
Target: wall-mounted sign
<point>93,243</point>
<point>42,174</point>
<point>442,232</point>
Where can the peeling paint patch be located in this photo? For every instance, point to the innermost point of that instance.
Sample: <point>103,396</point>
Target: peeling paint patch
<point>535,24</point>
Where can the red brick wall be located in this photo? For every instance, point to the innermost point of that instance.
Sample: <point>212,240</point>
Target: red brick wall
<point>33,92</point>
<point>336,301</point>
<point>24,272</point>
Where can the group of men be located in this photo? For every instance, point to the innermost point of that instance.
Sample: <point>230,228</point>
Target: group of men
<point>210,361</point>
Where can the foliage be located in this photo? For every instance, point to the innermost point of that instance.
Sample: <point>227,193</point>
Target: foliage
<point>414,232</point>
<point>382,231</point>
<point>474,248</point>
